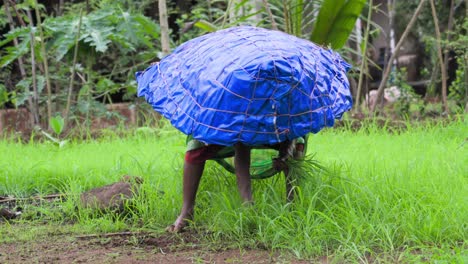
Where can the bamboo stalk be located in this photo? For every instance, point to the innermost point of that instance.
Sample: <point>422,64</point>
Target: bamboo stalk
<point>449,29</point>
<point>364,65</point>
<point>60,7</point>
<point>33,111</point>
<point>226,14</point>
<point>388,67</point>
<point>164,27</point>
<point>466,67</point>
<point>44,61</point>
<point>439,55</point>
<point>298,11</point>
<point>73,70</point>
<point>434,76</point>
<point>286,16</point>
<point>210,16</point>
<point>35,99</point>
<point>390,48</point>
<point>270,14</point>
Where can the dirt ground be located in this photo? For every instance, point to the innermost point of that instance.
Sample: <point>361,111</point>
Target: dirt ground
<point>131,248</point>
<point>33,242</point>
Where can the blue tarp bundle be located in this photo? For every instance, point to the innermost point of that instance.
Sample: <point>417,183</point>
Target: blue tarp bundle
<point>249,85</point>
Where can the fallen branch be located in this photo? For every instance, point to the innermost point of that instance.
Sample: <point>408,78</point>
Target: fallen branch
<point>46,197</point>
<point>126,233</point>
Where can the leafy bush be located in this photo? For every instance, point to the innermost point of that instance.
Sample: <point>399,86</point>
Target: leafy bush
<point>110,44</point>
<point>458,89</point>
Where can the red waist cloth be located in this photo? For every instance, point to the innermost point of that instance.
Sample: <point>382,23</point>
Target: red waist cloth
<point>200,155</point>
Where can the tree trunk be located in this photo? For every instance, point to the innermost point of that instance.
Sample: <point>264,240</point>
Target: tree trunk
<point>391,22</point>
<point>35,98</point>
<point>390,48</point>
<point>72,77</point>
<point>44,58</point>
<point>258,8</point>
<point>449,29</point>
<point>364,66</point>
<point>33,111</point>
<point>232,11</point>
<point>270,15</point>
<point>60,7</point>
<point>164,27</point>
<point>443,70</point>
<point>388,67</point>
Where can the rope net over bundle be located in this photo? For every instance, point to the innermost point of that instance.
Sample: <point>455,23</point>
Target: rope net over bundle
<point>249,85</point>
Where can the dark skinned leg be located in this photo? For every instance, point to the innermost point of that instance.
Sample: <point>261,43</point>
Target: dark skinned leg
<point>242,166</point>
<point>281,165</point>
<point>289,185</point>
<point>297,154</point>
<point>192,175</point>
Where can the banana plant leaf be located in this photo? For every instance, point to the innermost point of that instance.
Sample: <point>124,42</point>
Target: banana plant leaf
<point>250,85</point>
<point>335,22</point>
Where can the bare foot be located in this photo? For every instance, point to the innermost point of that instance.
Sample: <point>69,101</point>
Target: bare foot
<point>173,229</point>
<point>179,225</point>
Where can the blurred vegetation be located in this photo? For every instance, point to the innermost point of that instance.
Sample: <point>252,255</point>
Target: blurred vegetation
<point>454,43</point>
<point>70,60</point>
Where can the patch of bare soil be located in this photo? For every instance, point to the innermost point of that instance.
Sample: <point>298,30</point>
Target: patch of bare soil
<point>124,247</point>
<point>131,248</point>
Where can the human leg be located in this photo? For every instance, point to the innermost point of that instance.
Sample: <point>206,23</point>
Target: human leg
<point>298,153</point>
<point>194,165</point>
<point>242,166</point>
<point>286,150</point>
<point>192,175</point>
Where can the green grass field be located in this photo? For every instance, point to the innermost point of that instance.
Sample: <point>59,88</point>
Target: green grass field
<point>393,197</point>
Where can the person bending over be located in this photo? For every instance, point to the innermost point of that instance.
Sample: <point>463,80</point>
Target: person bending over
<point>198,153</point>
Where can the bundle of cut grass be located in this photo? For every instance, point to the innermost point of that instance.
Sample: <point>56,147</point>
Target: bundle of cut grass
<point>305,168</point>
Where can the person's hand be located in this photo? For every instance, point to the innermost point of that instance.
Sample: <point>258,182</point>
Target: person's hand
<point>279,164</point>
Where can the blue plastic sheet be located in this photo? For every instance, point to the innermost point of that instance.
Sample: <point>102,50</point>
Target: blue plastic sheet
<point>249,85</point>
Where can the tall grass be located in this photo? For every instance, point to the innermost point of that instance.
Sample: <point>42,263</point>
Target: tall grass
<point>388,195</point>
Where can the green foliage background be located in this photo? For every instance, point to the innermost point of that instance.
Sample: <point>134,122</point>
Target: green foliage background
<point>114,39</point>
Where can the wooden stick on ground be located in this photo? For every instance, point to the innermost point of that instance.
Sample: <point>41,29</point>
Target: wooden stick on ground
<point>125,233</point>
<point>45,197</point>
